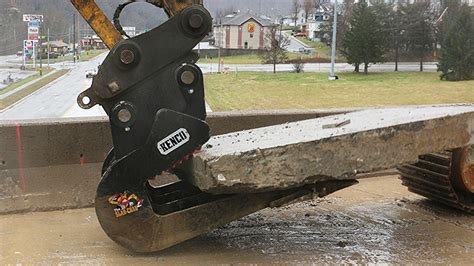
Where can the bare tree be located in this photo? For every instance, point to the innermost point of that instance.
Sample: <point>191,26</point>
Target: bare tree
<point>276,52</point>
<point>308,6</point>
<point>296,8</point>
<point>316,4</point>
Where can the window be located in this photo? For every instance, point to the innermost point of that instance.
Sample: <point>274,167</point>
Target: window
<point>251,35</point>
<point>246,45</point>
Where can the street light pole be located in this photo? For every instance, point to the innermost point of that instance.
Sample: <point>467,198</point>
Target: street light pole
<point>40,49</point>
<point>334,36</point>
<point>74,37</point>
<point>48,47</point>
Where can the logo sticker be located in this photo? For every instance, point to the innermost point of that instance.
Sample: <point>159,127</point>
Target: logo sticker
<point>173,141</point>
<point>125,203</point>
<point>251,27</point>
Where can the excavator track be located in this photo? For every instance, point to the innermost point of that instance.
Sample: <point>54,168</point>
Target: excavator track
<point>445,177</point>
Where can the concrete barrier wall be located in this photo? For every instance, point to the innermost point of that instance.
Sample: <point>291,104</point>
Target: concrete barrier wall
<point>56,164</point>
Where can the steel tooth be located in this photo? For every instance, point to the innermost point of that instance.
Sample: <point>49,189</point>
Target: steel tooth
<point>412,174</point>
<point>437,158</point>
<point>425,181</point>
<point>431,189</point>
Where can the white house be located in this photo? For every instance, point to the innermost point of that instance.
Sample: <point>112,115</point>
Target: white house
<point>316,20</point>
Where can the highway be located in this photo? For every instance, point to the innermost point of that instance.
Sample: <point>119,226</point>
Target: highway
<point>58,99</point>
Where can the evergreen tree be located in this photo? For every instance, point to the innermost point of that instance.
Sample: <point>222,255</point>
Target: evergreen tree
<point>419,33</point>
<point>456,59</point>
<point>364,41</point>
<point>392,28</point>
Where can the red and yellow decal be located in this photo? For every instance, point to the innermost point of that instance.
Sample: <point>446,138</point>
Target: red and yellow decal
<point>125,203</point>
<point>251,27</point>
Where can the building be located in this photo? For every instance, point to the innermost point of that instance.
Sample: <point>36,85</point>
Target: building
<point>92,42</point>
<point>242,31</point>
<point>56,47</point>
<point>316,20</point>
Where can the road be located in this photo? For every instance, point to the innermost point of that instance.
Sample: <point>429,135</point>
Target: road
<point>294,45</point>
<point>320,67</point>
<point>375,222</point>
<point>59,98</point>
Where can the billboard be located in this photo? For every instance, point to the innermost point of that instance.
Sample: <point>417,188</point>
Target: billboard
<point>34,18</point>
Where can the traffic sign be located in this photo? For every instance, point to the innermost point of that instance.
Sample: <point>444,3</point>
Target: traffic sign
<point>35,18</point>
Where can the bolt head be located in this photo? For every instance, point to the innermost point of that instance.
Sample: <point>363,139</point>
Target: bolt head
<point>124,116</point>
<point>196,21</point>
<point>187,77</point>
<point>127,57</point>
<point>114,87</point>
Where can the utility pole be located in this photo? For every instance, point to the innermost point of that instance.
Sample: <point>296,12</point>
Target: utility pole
<point>334,36</point>
<point>48,47</point>
<point>74,37</point>
<point>40,49</point>
<point>219,47</point>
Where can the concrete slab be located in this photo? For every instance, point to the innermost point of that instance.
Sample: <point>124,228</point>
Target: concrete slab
<point>340,146</point>
<point>55,164</point>
<point>375,222</point>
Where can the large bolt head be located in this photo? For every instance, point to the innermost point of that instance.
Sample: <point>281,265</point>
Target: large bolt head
<point>127,57</point>
<point>187,77</point>
<point>196,21</point>
<point>124,116</point>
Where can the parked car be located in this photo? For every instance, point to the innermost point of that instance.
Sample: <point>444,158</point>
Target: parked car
<point>91,73</point>
<point>307,51</point>
<point>19,53</point>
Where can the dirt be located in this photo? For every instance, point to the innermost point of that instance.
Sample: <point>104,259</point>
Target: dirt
<point>377,221</point>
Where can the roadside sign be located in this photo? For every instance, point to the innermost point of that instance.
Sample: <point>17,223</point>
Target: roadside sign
<point>28,46</point>
<point>33,24</point>
<point>34,18</point>
<point>33,37</point>
<point>33,30</point>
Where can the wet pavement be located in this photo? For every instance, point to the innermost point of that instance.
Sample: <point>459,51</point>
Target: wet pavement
<point>377,221</point>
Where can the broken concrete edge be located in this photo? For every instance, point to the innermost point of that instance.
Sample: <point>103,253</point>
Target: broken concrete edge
<point>61,158</point>
<point>267,159</point>
<point>46,183</point>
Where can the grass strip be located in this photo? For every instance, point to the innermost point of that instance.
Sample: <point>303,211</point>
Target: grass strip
<point>260,91</point>
<point>4,103</point>
<point>24,81</point>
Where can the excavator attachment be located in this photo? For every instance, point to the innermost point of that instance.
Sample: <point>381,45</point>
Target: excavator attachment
<point>153,93</point>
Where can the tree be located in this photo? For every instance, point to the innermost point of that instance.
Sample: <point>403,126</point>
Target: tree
<point>391,27</point>
<point>296,8</point>
<point>456,59</point>
<point>344,14</point>
<point>276,52</point>
<point>419,32</point>
<point>364,41</point>
<point>308,6</point>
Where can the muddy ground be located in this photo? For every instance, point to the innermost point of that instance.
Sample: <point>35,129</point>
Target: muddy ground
<point>377,221</point>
